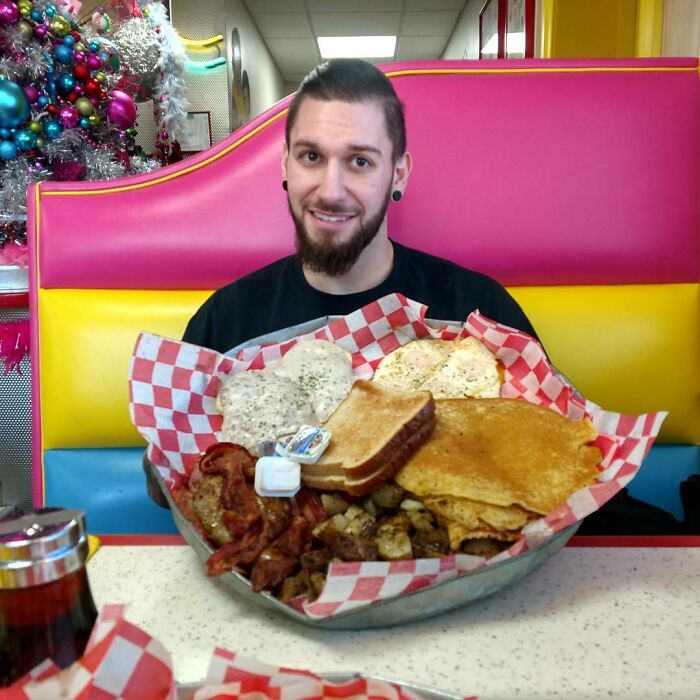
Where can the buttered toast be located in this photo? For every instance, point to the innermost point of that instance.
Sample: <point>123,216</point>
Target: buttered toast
<point>374,431</point>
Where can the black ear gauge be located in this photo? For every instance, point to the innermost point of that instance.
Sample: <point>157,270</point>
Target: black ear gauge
<point>284,185</point>
<point>396,195</point>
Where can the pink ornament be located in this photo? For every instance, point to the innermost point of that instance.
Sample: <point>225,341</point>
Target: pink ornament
<point>121,110</point>
<point>31,92</point>
<point>9,12</point>
<point>68,116</point>
<point>79,56</point>
<point>94,61</point>
<point>40,30</point>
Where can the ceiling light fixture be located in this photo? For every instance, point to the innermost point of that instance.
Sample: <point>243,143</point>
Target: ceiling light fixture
<point>357,46</point>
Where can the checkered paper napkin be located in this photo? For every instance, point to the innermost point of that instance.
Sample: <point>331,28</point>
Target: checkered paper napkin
<point>233,676</point>
<point>173,389</point>
<point>122,661</point>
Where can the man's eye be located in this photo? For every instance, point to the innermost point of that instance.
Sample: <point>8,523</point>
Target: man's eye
<point>310,156</point>
<point>361,162</point>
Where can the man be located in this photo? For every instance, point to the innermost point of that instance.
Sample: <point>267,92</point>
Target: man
<point>344,161</point>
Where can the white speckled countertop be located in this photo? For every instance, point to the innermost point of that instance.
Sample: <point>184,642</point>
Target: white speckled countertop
<point>590,623</point>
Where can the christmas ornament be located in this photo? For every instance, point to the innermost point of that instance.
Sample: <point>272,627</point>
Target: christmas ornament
<point>52,128</point>
<point>68,116</point>
<point>8,150</point>
<point>25,140</point>
<point>26,31</point>
<point>59,26</point>
<point>121,110</point>
<point>9,12</point>
<point>138,46</point>
<point>14,105</point>
<point>84,106</point>
<point>64,54</point>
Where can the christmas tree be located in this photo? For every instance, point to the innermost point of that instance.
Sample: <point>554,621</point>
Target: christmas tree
<point>67,99</point>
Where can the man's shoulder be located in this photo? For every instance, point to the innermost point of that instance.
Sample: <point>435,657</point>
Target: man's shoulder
<point>256,280</point>
<point>436,266</point>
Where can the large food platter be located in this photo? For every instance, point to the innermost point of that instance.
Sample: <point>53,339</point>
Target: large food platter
<point>466,588</point>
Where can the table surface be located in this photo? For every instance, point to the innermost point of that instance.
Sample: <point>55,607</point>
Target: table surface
<point>592,622</point>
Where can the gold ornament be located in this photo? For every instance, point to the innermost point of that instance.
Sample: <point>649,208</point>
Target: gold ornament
<point>94,119</point>
<point>84,106</point>
<point>35,127</point>
<point>59,26</point>
<point>100,77</point>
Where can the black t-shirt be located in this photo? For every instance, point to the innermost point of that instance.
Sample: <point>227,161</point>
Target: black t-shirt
<point>278,296</point>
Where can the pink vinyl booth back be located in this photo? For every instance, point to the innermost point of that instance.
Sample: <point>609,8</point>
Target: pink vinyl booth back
<point>574,183</point>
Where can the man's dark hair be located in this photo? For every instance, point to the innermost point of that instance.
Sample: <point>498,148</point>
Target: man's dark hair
<point>353,80</point>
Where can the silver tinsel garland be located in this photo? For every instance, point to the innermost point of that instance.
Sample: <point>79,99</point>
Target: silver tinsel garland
<point>170,89</point>
<point>15,177</point>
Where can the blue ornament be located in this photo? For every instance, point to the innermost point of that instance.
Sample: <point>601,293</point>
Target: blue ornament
<point>65,82</point>
<point>50,11</point>
<point>5,133</point>
<point>84,122</point>
<point>68,40</point>
<point>104,57</point>
<point>14,105</point>
<point>52,128</point>
<point>25,140</point>
<point>8,150</point>
<point>43,100</point>
<point>94,46</point>
<point>63,53</point>
<point>36,15</point>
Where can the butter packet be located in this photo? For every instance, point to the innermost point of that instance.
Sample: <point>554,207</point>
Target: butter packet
<point>306,445</point>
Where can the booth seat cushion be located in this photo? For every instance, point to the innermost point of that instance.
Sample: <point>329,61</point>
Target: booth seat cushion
<point>649,334</point>
<point>85,345</point>
<point>664,468</point>
<point>109,485</point>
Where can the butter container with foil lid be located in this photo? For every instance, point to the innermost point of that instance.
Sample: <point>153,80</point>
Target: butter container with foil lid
<point>306,446</point>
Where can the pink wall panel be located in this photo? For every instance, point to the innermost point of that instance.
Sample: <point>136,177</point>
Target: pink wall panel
<point>577,177</point>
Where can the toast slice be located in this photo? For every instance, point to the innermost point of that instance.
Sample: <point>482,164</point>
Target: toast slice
<point>374,432</point>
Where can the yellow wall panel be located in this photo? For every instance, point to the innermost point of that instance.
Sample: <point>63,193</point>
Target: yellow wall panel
<point>86,340</point>
<point>629,348</point>
<point>592,28</point>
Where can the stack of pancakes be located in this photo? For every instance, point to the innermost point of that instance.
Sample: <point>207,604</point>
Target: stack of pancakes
<point>492,465</point>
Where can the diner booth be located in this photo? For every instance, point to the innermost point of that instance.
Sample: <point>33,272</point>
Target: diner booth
<point>573,183</point>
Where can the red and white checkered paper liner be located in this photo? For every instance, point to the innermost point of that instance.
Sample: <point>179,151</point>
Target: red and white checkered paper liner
<point>232,676</point>
<point>120,661</point>
<point>173,387</point>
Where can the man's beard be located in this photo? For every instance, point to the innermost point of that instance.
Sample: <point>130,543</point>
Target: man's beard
<point>332,259</point>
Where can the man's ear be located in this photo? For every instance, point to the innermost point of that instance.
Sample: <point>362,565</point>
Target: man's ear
<point>402,169</point>
<point>285,154</point>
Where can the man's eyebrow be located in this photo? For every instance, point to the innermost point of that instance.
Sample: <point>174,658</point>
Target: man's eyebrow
<point>354,147</point>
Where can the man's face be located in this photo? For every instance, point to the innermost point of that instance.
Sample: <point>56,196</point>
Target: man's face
<point>339,174</point>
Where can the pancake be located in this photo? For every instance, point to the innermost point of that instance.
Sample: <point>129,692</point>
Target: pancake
<point>473,513</point>
<point>503,452</point>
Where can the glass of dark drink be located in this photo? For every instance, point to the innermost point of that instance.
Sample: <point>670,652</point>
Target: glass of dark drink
<point>46,607</point>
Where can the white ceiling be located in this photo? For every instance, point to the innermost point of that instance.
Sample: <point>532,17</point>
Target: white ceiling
<point>289,27</point>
